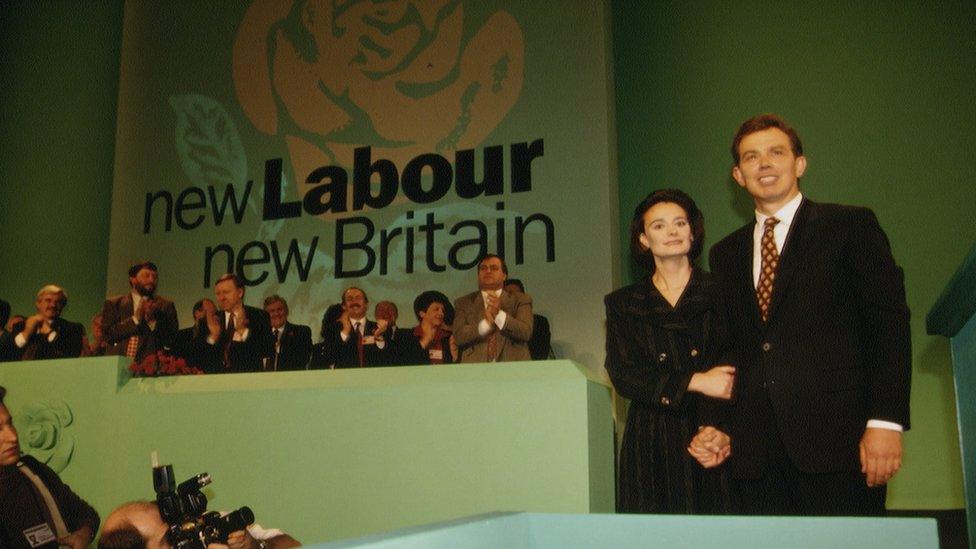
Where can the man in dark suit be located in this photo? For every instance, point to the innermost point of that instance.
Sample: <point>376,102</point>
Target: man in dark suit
<point>293,342</point>
<point>358,341</point>
<point>238,338</point>
<point>46,335</point>
<point>140,322</point>
<point>492,325</point>
<point>819,324</point>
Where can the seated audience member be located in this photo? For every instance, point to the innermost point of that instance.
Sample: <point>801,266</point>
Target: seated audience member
<point>36,508</point>
<point>293,342</point>
<point>388,311</point>
<point>540,344</point>
<point>430,341</point>
<point>46,335</point>
<point>139,525</point>
<point>360,342</point>
<point>6,338</point>
<point>324,353</point>
<point>492,325</point>
<point>139,323</point>
<point>238,338</point>
<point>97,345</point>
<point>182,344</point>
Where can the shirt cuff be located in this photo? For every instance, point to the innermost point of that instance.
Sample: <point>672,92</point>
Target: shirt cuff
<point>889,425</point>
<point>20,341</point>
<point>344,336</point>
<point>241,335</point>
<point>483,327</point>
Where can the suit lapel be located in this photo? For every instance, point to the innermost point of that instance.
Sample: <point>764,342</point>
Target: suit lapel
<point>743,279</point>
<point>794,249</point>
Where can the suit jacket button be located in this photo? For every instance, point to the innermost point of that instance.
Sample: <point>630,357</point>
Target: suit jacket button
<point>767,346</point>
<point>662,357</point>
<point>665,401</point>
<point>694,353</point>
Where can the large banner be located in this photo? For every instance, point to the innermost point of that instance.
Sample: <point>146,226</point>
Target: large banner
<point>309,146</point>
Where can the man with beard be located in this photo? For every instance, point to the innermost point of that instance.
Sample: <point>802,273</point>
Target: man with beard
<point>46,335</point>
<point>140,322</point>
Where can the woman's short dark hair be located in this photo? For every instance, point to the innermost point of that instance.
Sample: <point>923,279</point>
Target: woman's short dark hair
<point>643,256</point>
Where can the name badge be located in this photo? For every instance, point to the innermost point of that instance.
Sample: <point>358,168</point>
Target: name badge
<point>436,354</point>
<point>39,535</point>
<point>369,340</point>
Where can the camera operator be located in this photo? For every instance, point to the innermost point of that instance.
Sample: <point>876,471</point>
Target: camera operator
<point>139,525</point>
<point>36,508</point>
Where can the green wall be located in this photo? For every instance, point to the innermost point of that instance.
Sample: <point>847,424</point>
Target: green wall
<point>881,94</point>
<point>60,67</point>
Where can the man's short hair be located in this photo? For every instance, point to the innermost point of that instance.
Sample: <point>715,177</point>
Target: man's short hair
<point>53,289</point>
<point>238,283</point>
<point>3,393</point>
<point>643,256</point>
<point>486,257</point>
<point>344,292</point>
<point>515,282</point>
<point>765,122</point>
<point>198,306</point>
<point>273,299</point>
<point>140,265</point>
<point>424,300</point>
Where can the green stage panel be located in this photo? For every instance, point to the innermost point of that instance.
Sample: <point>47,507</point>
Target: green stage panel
<point>328,454</point>
<point>543,531</point>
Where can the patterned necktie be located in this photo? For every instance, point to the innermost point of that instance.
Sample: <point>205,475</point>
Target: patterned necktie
<point>132,347</point>
<point>361,351</point>
<point>767,269</point>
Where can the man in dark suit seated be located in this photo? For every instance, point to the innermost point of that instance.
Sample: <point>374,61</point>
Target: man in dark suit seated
<point>821,342</point>
<point>46,335</point>
<point>6,337</point>
<point>140,322</point>
<point>540,344</point>
<point>238,338</point>
<point>293,342</point>
<point>359,342</point>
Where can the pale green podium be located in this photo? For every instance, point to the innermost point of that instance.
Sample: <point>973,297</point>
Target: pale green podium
<point>549,531</point>
<point>326,455</point>
<point>954,316</point>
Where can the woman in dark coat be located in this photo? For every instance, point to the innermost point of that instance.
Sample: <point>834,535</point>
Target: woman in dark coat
<point>665,352</point>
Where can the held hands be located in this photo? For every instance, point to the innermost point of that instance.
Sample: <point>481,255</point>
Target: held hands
<point>147,309</point>
<point>710,447</point>
<point>716,382</point>
<point>240,320</point>
<point>880,455</point>
<point>344,322</point>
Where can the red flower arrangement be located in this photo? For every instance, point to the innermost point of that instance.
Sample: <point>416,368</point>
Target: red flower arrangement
<point>162,363</point>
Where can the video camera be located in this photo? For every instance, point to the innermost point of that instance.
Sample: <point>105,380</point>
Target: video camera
<point>184,509</point>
